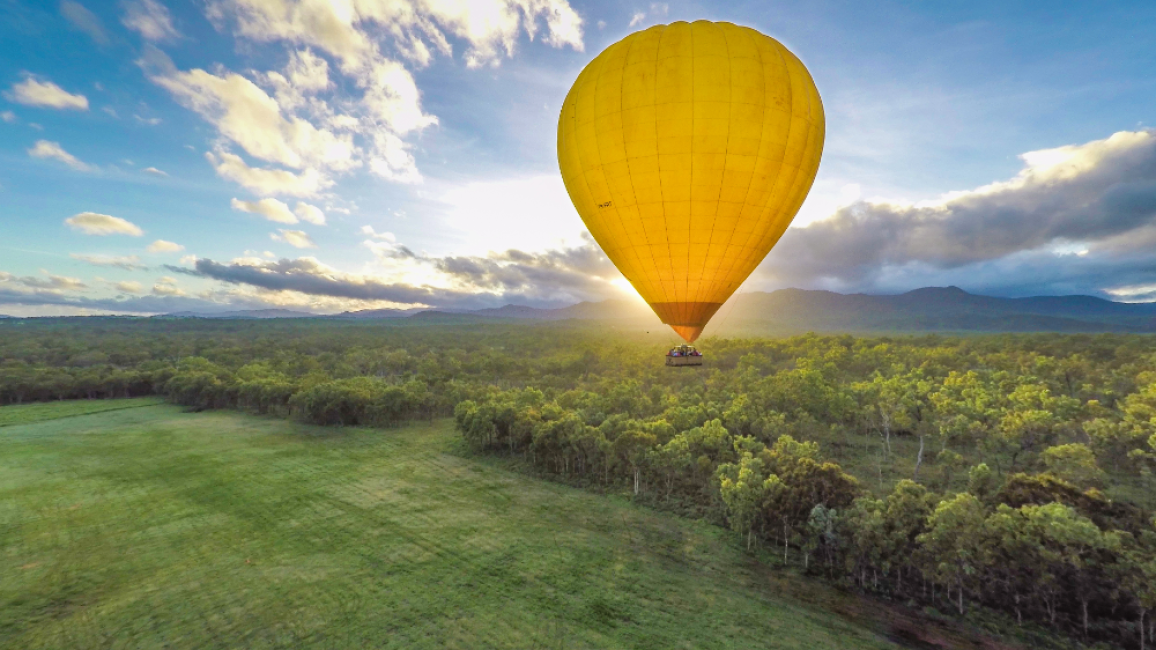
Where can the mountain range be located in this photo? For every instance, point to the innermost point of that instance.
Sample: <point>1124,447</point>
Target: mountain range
<point>931,309</point>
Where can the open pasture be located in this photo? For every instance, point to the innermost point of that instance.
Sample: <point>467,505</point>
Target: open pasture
<point>153,527</point>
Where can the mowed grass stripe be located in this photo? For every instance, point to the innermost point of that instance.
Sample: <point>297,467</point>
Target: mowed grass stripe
<point>151,527</point>
<point>42,411</point>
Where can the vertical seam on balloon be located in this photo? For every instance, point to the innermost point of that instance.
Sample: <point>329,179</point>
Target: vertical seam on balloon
<point>726,152</point>
<point>690,200</point>
<point>665,219</point>
<point>633,38</point>
<point>798,167</point>
<point>799,194</point>
<point>790,125</point>
<point>747,242</point>
<point>762,129</point>
<point>597,141</point>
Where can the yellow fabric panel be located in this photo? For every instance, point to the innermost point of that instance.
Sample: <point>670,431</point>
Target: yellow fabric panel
<point>687,149</point>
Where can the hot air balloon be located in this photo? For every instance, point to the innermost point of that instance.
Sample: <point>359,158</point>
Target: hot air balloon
<point>687,149</point>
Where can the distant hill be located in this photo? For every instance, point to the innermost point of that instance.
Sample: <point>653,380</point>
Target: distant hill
<point>247,313</point>
<point>607,309</point>
<point>931,309</point>
<point>378,313</point>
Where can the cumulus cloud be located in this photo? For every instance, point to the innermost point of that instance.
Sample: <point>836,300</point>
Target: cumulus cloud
<point>34,92</point>
<point>658,10</point>
<point>489,27</point>
<point>150,19</point>
<point>126,262</point>
<point>271,209</point>
<point>303,126</point>
<point>163,246</point>
<point>48,150</point>
<point>245,114</point>
<point>309,213</point>
<point>154,171</point>
<point>167,286</point>
<point>295,238</point>
<point>8,117</point>
<point>304,75</point>
<point>34,285</point>
<point>84,20</point>
<point>129,287</point>
<point>92,223</point>
<point>267,181</point>
<point>1091,204</point>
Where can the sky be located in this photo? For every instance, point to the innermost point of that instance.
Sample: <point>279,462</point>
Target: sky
<point>331,155</point>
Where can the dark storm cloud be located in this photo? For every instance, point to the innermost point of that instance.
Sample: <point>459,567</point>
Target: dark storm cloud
<point>306,275</point>
<point>582,272</point>
<point>551,278</point>
<point>1097,196</point>
<point>136,305</point>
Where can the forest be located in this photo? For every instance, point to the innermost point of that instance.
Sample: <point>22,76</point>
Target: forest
<point>1003,474</point>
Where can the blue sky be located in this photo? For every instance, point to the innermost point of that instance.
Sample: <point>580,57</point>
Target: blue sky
<point>324,160</point>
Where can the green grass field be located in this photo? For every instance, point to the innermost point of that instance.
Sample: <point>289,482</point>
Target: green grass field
<point>150,527</point>
<point>40,411</point>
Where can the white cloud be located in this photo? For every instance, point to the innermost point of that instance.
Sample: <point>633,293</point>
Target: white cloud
<point>384,236</point>
<point>164,246</point>
<point>267,181</point>
<point>53,151</point>
<point>657,11</point>
<point>92,223</point>
<point>189,259</point>
<point>36,285</point>
<point>8,116</point>
<point>309,213</point>
<point>295,238</point>
<point>84,20</point>
<point>33,92</point>
<point>127,262</point>
<point>247,115</point>
<point>154,171</point>
<point>271,209</point>
<point>304,75</point>
<point>278,117</point>
<point>167,286</point>
<point>151,121</point>
<point>490,27</point>
<point>129,287</point>
<point>150,19</point>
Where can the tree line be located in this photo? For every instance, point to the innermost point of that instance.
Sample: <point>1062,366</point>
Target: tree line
<point>1009,473</point>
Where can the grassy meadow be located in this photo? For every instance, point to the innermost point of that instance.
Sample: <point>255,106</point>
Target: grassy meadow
<point>38,411</point>
<point>154,527</point>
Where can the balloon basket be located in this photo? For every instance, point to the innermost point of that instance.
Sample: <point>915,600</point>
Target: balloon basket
<point>683,355</point>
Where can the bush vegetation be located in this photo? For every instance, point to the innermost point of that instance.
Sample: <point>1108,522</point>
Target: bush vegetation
<point>1011,472</point>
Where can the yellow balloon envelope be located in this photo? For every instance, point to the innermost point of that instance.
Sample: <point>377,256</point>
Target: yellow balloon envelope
<point>687,150</point>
